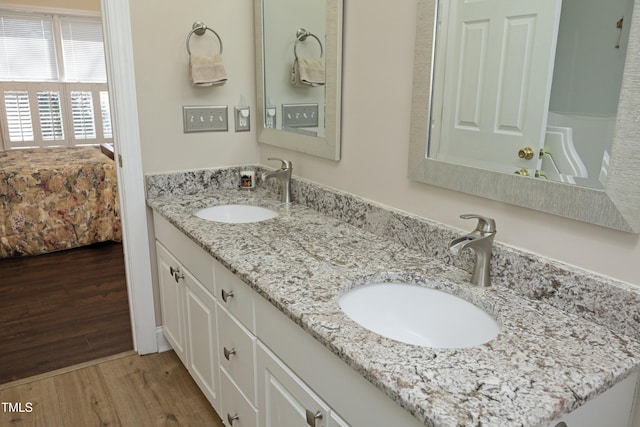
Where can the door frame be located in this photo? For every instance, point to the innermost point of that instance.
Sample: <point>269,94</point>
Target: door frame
<point>131,189</point>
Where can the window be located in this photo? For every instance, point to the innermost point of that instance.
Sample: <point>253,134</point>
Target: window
<point>82,50</point>
<point>27,47</point>
<point>52,81</point>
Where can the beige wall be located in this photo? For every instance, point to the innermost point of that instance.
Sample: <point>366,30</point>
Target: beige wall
<point>163,85</point>
<point>377,76</point>
<point>91,5</point>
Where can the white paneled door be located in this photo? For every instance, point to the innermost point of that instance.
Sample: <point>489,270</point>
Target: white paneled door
<point>496,72</point>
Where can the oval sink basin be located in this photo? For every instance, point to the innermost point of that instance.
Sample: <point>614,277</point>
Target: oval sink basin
<point>236,214</point>
<point>418,315</point>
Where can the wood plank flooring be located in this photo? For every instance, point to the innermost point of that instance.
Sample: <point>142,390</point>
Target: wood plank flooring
<point>61,309</point>
<point>129,391</point>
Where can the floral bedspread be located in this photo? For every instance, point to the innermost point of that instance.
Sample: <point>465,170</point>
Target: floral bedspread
<point>54,199</point>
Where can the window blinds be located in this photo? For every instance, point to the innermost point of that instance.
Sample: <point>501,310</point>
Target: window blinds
<point>27,49</point>
<point>82,50</point>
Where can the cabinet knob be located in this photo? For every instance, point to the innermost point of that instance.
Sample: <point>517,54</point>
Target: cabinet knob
<point>176,273</point>
<point>561,424</point>
<point>228,353</point>
<point>226,295</point>
<point>233,418</point>
<point>313,417</point>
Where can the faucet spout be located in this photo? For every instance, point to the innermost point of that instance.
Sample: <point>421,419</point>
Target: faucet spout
<point>283,175</point>
<point>480,241</point>
<point>457,245</point>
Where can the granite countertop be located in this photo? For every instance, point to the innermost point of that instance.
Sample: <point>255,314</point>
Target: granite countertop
<point>544,362</point>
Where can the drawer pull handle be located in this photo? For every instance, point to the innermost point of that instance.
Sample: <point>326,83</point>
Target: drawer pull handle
<point>226,295</point>
<point>228,353</point>
<point>313,417</point>
<point>231,419</point>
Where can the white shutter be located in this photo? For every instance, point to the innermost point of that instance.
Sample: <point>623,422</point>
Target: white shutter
<point>18,116</point>
<point>27,49</point>
<point>50,112</point>
<point>83,50</point>
<point>84,123</point>
<point>105,109</point>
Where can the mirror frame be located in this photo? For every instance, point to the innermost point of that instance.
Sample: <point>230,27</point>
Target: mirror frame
<point>329,145</point>
<point>617,206</point>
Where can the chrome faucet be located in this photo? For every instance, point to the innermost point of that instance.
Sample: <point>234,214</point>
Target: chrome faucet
<point>480,241</point>
<point>284,176</point>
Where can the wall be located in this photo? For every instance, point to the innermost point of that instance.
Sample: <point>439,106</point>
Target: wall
<point>377,78</point>
<point>586,42</point>
<point>163,83</point>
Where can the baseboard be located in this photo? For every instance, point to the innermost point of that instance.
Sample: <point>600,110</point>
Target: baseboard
<point>163,344</point>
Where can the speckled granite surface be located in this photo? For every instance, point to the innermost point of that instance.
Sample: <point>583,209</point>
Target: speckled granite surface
<point>547,360</point>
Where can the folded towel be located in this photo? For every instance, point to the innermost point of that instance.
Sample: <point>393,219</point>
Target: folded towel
<point>207,70</point>
<point>307,72</point>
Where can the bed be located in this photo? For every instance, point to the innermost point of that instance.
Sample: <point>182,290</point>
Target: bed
<point>55,199</point>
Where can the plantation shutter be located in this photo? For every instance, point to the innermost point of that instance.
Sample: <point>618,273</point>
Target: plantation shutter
<point>18,114</point>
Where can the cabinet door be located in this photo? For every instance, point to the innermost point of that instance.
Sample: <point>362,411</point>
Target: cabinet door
<point>614,407</point>
<point>172,300</point>
<point>284,400</point>
<point>202,340</point>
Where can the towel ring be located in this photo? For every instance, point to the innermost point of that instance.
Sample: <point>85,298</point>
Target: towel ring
<point>199,29</point>
<point>301,35</point>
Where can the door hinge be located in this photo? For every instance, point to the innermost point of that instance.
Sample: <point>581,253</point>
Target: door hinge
<point>120,160</point>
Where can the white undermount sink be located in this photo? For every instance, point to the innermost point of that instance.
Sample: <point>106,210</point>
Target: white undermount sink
<point>236,214</point>
<point>419,315</point>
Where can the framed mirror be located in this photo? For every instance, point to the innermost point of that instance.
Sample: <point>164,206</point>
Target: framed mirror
<point>298,73</point>
<point>611,197</point>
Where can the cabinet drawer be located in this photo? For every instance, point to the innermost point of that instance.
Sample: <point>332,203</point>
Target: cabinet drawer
<point>235,296</point>
<point>237,353</point>
<point>193,257</point>
<point>236,411</point>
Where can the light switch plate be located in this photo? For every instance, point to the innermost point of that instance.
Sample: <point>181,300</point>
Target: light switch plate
<point>300,115</point>
<point>208,118</point>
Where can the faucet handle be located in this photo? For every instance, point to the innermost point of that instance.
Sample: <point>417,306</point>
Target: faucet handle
<point>485,224</point>
<point>286,164</point>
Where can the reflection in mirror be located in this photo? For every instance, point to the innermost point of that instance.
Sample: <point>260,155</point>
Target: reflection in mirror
<point>529,87</point>
<point>588,99</point>
<point>298,53</point>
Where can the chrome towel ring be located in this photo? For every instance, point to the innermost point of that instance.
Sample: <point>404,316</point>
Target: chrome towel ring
<point>301,35</point>
<point>199,28</point>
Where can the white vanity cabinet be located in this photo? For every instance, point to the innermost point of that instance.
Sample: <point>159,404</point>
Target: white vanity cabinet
<point>189,320</point>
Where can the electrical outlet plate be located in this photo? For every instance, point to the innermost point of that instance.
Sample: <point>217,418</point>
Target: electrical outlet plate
<point>300,115</point>
<point>208,118</point>
<point>242,116</point>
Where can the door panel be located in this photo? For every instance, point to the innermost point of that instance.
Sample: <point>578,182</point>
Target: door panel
<point>496,75</point>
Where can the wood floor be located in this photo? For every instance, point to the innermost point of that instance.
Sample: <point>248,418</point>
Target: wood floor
<point>130,391</point>
<point>61,309</point>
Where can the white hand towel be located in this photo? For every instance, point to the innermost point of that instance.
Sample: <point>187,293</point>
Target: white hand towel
<point>207,70</point>
<point>307,72</point>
